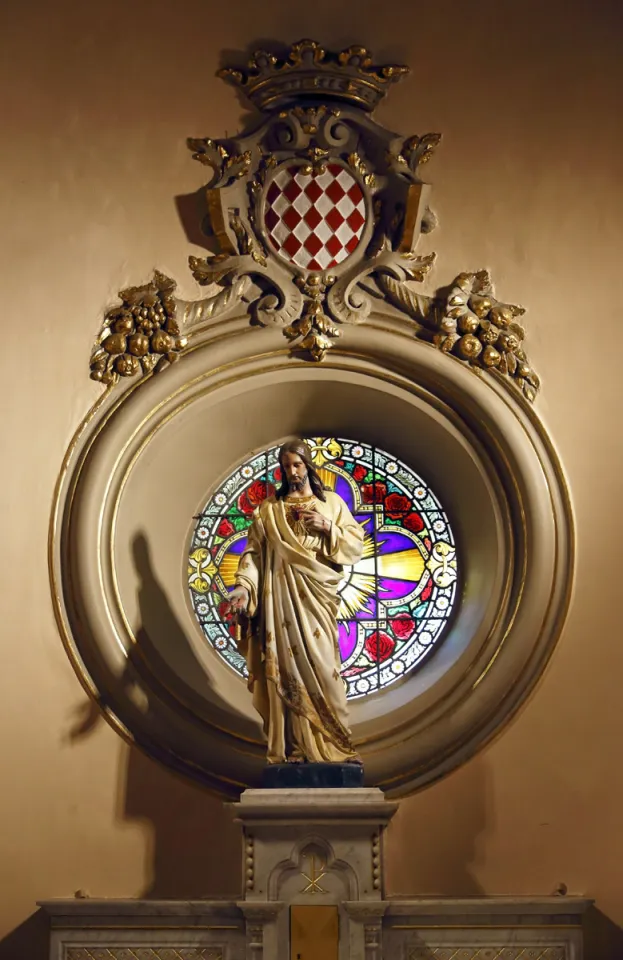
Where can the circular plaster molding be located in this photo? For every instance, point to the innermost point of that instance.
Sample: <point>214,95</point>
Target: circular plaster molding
<point>145,459</point>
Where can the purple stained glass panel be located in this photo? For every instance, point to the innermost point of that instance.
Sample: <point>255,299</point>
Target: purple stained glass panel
<point>347,636</point>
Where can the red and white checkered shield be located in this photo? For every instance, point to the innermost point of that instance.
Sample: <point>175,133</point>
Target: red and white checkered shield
<point>315,220</point>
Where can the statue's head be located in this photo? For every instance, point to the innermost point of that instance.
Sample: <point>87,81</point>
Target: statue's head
<point>296,464</point>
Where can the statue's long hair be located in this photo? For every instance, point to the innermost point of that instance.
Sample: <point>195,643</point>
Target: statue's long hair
<point>300,448</point>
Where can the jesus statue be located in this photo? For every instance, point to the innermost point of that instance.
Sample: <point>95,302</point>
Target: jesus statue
<point>286,588</point>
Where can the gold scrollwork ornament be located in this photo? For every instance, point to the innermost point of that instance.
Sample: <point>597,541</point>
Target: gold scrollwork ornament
<point>464,320</point>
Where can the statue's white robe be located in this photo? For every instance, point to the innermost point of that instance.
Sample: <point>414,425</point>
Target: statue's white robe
<point>290,641</point>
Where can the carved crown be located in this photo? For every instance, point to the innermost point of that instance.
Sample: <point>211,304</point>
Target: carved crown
<point>307,70</point>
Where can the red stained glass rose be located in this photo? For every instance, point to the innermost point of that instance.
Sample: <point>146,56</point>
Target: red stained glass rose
<point>414,522</point>
<point>403,626</point>
<point>397,506</point>
<point>225,528</point>
<point>379,646</point>
<point>277,474</point>
<point>223,612</point>
<point>258,491</point>
<point>359,472</point>
<point>373,492</point>
<point>243,504</point>
<point>228,617</point>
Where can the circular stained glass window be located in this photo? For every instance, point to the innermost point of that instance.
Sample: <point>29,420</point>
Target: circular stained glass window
<point>395,602</point>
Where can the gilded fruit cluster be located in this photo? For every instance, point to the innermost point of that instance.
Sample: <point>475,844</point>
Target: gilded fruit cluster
<point>140,336</point>
<point>476,327</point>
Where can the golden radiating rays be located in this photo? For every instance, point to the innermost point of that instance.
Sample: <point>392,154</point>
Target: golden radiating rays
<point>228,567</point>
<point>328,477</point>
<point>403,565</point>
<point>356,593</point>
<point>368,547</point>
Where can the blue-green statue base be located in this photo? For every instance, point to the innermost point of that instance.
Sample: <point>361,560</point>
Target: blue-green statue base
<point>293,775</point>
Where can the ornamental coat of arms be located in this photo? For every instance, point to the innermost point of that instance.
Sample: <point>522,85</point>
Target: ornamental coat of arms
<point>317,212</point>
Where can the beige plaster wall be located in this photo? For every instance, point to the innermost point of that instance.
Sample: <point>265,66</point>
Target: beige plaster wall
<point>97,102</point>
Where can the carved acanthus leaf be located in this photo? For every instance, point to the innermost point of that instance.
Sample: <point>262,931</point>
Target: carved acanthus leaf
<point>213,270</point>
<point>418,268</point>
<point>266,164</point>
<point>313,326</point>
<point>413,153</point>
<point>226,167</point>
<point>318,159</point>
<point>252,257</point>
<point>247,244</point>
<point>356,162</point>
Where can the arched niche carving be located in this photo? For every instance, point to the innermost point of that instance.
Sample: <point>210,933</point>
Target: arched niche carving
<point>144,460</point>
<point>313,870</point>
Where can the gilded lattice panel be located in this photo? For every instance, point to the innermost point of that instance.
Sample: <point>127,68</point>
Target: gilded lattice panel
<point>490,952</point>
<point>143,953</point>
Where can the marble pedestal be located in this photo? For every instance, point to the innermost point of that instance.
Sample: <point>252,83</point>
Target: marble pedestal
<point>314,847</point>
<point>317,848</point>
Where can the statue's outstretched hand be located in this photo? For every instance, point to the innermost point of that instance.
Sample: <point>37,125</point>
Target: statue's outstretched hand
<point>315,522</point>
<point>238,601</point>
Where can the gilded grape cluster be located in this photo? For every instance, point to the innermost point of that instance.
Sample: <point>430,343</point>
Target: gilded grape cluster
<point>476,327</point>
<point>140,336</point>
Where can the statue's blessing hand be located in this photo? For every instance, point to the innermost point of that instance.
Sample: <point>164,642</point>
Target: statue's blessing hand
<point>238,601</point>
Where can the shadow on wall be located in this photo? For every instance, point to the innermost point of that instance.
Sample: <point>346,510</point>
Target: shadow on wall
<point>159,631</point>
<point>434,843</point>
<point>29,941</point>
<point>196,849</point>
<point>604,939</point>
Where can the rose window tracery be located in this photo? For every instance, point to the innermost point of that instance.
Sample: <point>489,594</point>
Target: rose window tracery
<point>396,602</point>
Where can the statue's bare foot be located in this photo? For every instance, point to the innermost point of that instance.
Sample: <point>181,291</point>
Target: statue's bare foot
<point>295,760</point>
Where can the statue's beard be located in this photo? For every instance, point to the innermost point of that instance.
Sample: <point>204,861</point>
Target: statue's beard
<point>298,483</point>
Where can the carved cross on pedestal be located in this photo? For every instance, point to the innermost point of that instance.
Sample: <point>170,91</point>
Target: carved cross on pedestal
<point>316,872</point>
